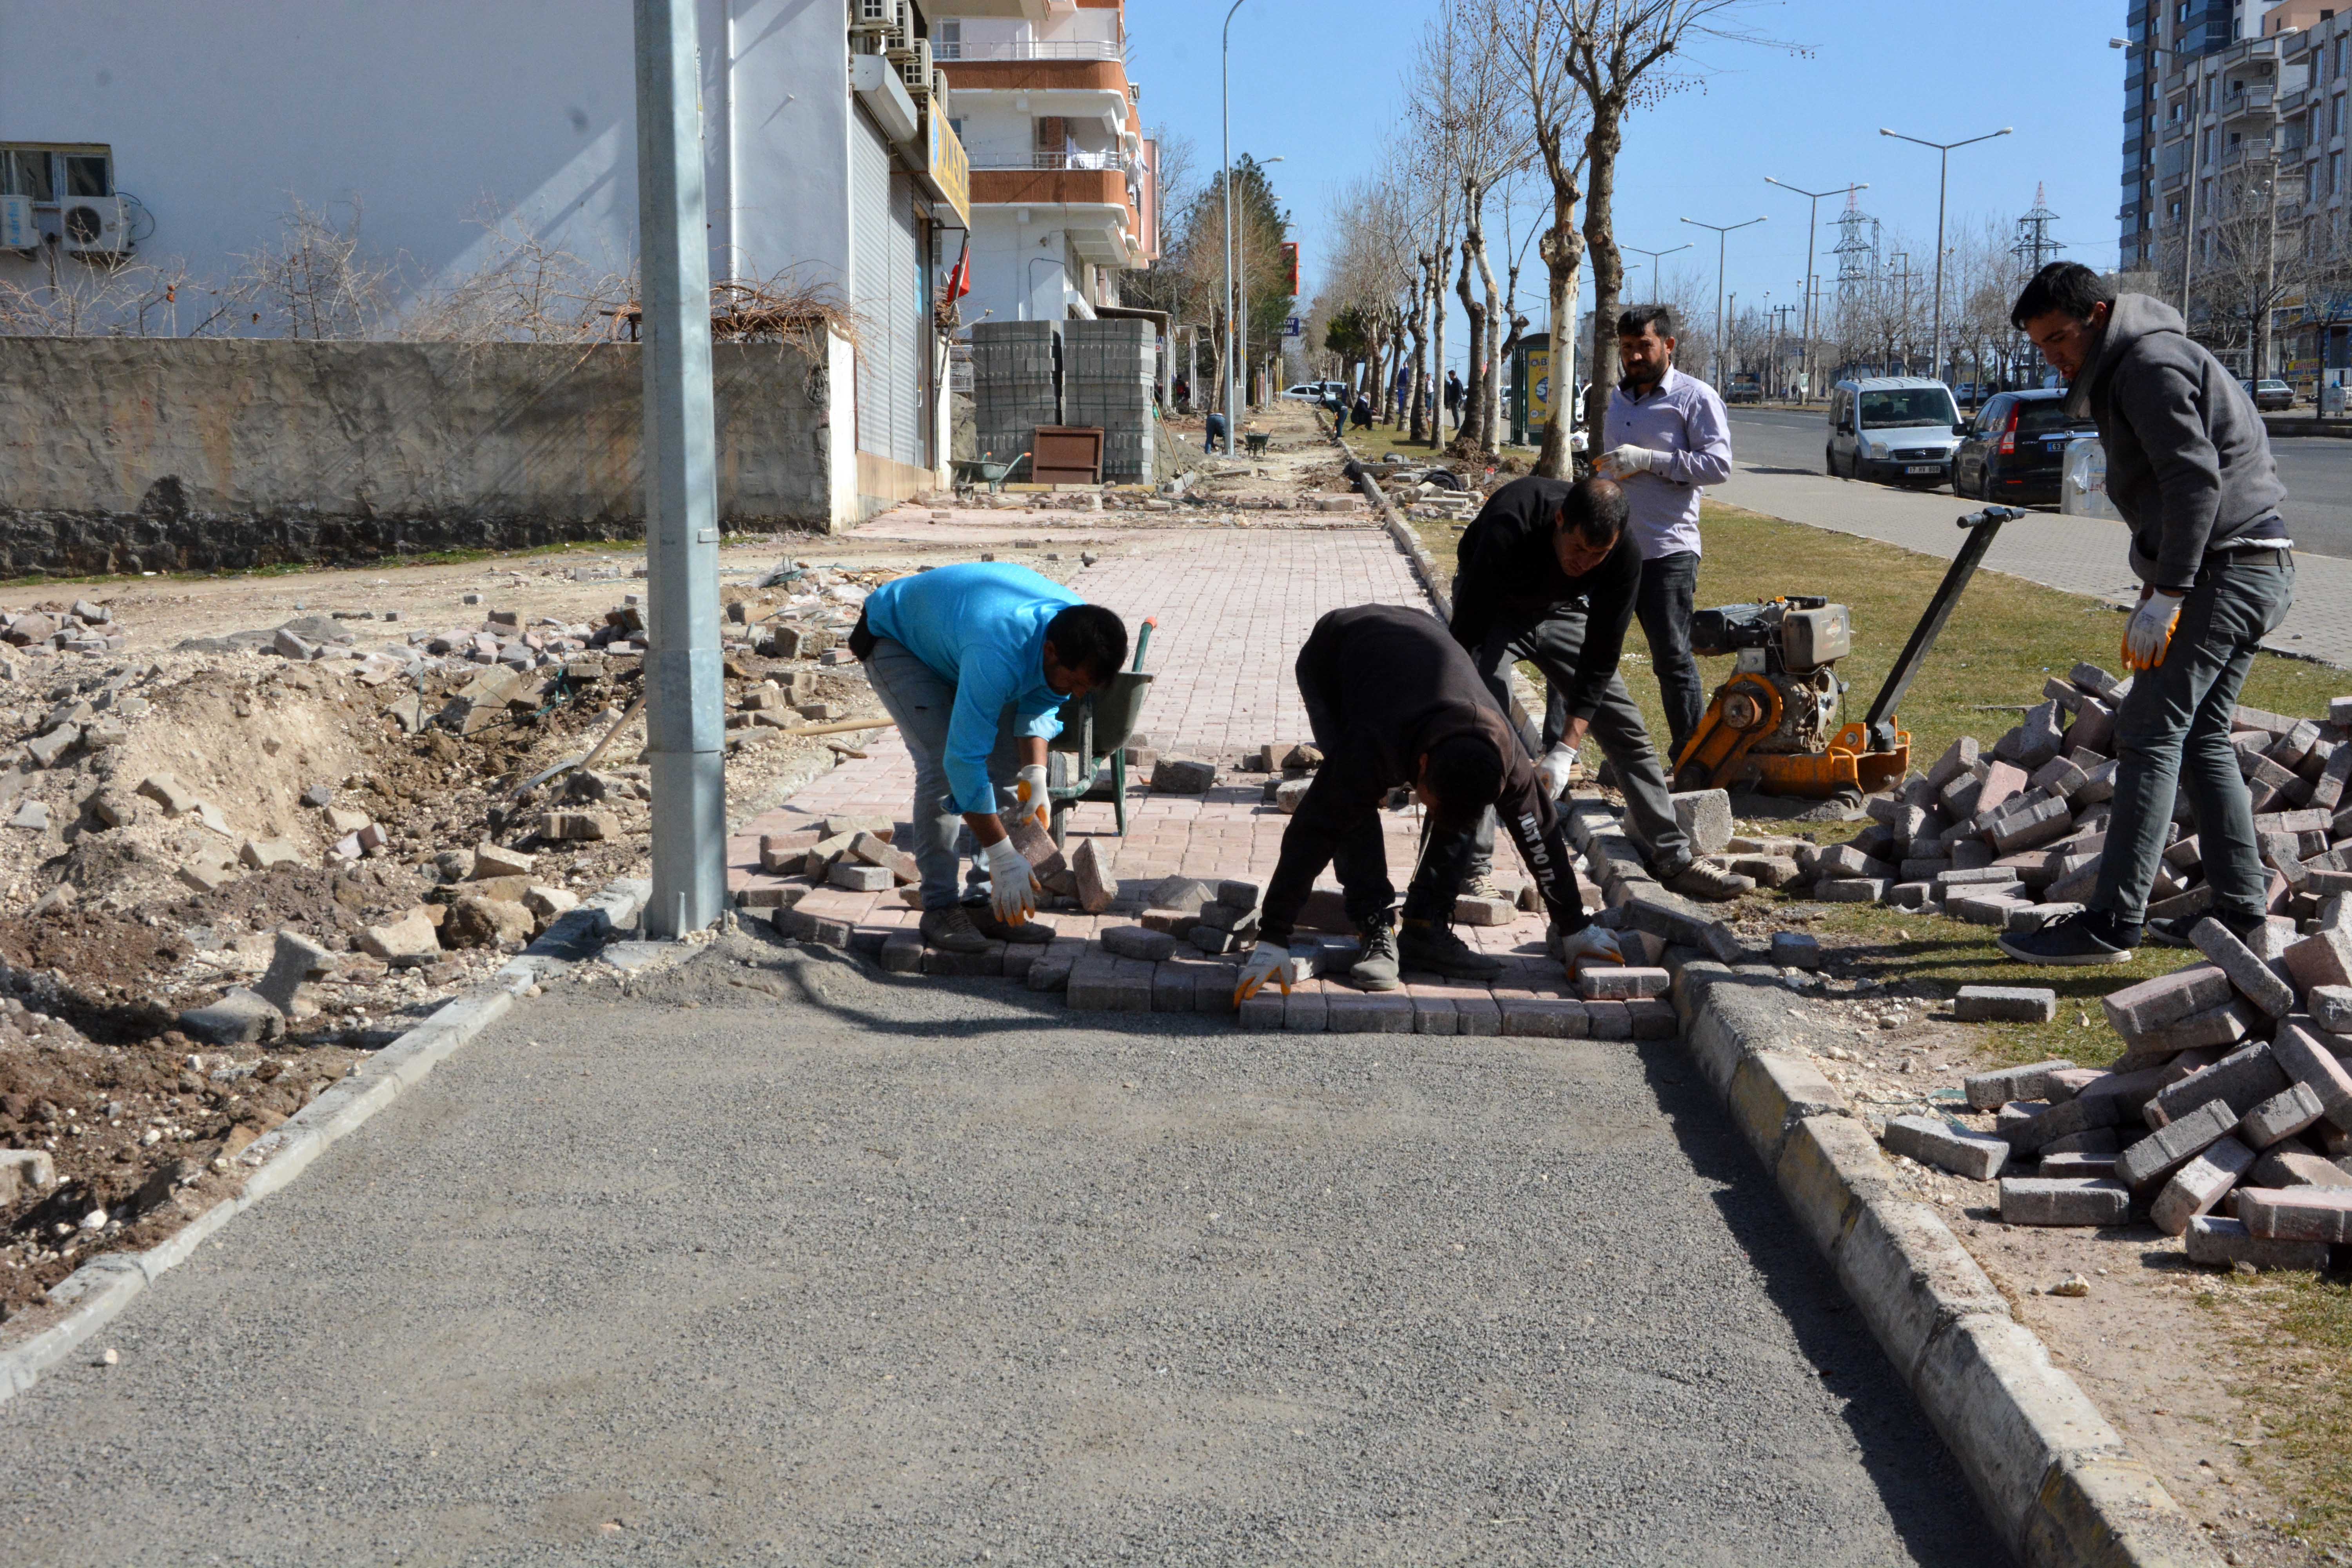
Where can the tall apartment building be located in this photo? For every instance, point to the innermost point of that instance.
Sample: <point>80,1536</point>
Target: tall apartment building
<point>2231,109</point>
<point>1064,189</point>
<point>186,129</point>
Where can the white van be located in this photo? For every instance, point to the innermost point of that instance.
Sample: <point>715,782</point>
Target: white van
<point>1901,429</point>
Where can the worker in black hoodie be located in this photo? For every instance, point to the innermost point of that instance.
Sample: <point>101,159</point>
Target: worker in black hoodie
<point>1393,700</point>
<point>2189,467</point>
<point>1549,574</point>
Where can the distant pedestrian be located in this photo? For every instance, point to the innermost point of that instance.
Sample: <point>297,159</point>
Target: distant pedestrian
<point>1363,412</point>
<point>1454,398</point>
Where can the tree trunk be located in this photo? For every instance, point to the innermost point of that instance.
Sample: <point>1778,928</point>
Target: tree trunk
<point>1437,307</point>
<point>1490,390</point>
<point>1563,253</point>
<point>1602,144</point>
<point>1473,404</point>
<point>1417,392</point>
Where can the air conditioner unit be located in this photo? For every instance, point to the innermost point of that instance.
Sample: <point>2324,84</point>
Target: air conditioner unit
<point>874,15</point>
<point>902,32</point>
<point>17,229</point>
<point>94,225</point>
<point>939,89</point>
<point>915,72</point>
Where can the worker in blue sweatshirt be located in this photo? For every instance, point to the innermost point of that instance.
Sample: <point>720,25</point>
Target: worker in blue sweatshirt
<point>973,662</point>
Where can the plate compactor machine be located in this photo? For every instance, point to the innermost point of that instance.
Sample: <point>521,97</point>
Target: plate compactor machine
<point>1776,727</point>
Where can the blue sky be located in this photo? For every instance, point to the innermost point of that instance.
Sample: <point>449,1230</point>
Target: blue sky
<point>1319,83</point>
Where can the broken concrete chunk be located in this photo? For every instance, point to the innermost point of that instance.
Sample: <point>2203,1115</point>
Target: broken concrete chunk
<point>31,814</point>
<point>495,860</point>
<point>410,938</point>
<point>477,921</point>
<point>261,853</point>
<point>295,959</point>
<point>577,827</point>
<point>243,1017</point>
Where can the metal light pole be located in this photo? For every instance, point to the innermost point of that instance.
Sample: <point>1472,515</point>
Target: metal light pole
<point>685,696</point>
<point>1232,341</point>
<point>1944,155</point>
<point>1653,256</point>
<point>2188,176</point>
<point>1722,241</point>
<point>1812,229</point>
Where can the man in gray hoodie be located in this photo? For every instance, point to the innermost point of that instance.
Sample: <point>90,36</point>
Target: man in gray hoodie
<point>2189,467</point>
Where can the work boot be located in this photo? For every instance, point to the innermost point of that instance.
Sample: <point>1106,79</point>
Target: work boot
<point>982,917</point>
<point>2091,937</point>
<point>1424,944</point>
<point>1378,969</point>
<point>951,930</point>
<point>1705,879</point>
<point>2174,931</point>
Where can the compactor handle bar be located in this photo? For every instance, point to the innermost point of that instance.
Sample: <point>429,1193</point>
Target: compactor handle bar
<point>1981,527</point>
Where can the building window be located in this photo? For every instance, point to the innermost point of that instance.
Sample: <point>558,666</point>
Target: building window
<point>947,40</point>
<point>45,173</point>
<point>2335,172</point>
<point>2335,115</point>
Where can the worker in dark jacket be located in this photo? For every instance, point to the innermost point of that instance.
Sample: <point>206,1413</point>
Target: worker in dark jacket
<point>1549,574</point>
<point>2189,467</point>
<point>1394,702</point>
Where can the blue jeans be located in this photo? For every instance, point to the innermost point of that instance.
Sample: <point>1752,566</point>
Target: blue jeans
<point>922,701</point>
<point>2172,733</point>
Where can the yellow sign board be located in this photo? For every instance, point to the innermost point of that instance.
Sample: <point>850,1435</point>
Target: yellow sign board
<point>1538,388</point>
<point>948,168</point>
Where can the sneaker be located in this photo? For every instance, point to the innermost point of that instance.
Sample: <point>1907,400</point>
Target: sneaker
<point>982,918</point>
<point>1422,944</point>
<point>1378,969</point>
<point>2174,931</point>
<point>2092,937</point>
<point>1480,885</point>
<point>951,930</point>
<point>1705,879</point>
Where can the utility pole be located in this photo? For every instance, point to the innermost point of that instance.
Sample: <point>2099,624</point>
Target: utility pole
<point>1942,182</point>
<point>1812,228</point>
<point>1722,241</point>
<point>1233,344</point>
<point>685,694</point>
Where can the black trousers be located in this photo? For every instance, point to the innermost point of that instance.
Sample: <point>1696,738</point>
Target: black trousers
<point>1669,585</point>
<point>1360,858</point>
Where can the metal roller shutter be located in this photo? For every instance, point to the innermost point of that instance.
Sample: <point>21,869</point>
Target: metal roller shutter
<point>905,328</point>
<point>869,279</point>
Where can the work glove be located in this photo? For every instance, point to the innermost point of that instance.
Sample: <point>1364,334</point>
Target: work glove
<point>1029,791</point>
<point>1592,947</point>
<point>1620,461</point>
<point>2149,635</point>
<point>1267,962</point>
<point>1012,885</point>
<point>1557,771</point>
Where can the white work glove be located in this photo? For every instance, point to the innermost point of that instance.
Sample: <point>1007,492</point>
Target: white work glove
<point>1557,771</point>
<point>1029,790</point>
<point>1589,948</point>
<point>1267,963</point>
<point>1620,461</point>
<point>2149,634</point>
<point>1012,885</point>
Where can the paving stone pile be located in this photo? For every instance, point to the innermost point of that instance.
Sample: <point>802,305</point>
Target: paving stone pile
<point>2012,838</point>
<point>2227,1121</point>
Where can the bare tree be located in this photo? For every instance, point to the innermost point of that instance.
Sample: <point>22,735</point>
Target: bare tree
<point>1538,40</point>
<point>526,290</point>
<point>1628,55</point>
<point>319,280</point>
<point>112,295</point>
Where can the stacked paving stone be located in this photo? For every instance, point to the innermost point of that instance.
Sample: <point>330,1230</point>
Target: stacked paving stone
<point>1175,946</point>
<point>2012,837</point>
<point>84,628</point>
<point>2226,1122</point>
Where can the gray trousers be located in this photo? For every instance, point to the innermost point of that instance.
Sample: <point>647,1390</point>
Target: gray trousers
<point>1551,645</point>
<point>922,701</point>
<point>2172,733</point>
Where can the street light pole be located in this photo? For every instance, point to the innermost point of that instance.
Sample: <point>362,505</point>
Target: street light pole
<point>1944,155</point>
<point>685,694</point>
<point>1722,242</point>
<point>1812,229</point>
<point>1653,256</point>
<point>1233,341</point>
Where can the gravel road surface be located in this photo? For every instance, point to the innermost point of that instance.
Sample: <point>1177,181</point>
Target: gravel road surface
<point>780,1262</point>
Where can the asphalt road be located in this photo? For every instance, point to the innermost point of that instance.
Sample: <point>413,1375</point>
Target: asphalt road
<point>783,1263</point>
<point>2315,469</point>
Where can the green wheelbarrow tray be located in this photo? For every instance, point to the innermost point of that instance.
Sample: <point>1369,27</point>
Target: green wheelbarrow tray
<point>1257,440</point>
<point>1095,730</point>
<point>974,470</point>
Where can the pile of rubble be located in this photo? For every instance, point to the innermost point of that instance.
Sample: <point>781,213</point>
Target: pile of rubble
<point>2236,1087</point>
<point>81,627</point>
<point>2012,837</point>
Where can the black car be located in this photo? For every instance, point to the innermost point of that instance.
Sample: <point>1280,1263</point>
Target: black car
<point>2015,448</point>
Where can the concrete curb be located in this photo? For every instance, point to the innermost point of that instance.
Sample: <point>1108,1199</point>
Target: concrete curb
<point>95,1293</point>
<point>2052,1476</point>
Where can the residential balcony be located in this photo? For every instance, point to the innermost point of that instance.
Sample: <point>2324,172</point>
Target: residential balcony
<point>1096,204</point>
<point>1032,49</point>
<point>1051,161</point>
<point>2254,103</point>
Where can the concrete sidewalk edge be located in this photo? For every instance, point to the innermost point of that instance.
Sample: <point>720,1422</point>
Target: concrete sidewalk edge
<point>96,1293</point>
<point>2052,1475</point>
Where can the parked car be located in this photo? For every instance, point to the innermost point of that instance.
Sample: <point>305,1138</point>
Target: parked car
<point>2015,449</point>
<point>1315,391</point>
<point>2270,394</point>
<point>1901,429</point>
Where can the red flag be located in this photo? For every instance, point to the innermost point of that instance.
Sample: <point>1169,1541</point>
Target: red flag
<point>960,279</point>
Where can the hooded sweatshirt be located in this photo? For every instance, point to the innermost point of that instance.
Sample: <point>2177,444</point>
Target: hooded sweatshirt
<point>2188,463</point>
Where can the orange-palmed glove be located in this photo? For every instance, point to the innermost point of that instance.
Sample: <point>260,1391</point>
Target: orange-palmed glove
<point>2147,636</point>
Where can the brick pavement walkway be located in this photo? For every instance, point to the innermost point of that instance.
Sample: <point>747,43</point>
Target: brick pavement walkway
<point>1232,605</point>
<point>2075,555</point>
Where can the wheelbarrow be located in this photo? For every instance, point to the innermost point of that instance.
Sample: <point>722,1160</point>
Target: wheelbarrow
<point>972,471</point>
<point>1255,440</point>
<point>1095,731</point>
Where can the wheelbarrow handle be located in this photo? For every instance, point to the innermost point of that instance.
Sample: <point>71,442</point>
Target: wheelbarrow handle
<point>1141,642</point>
